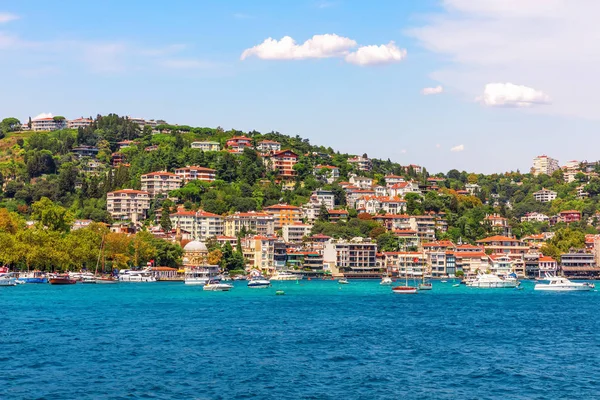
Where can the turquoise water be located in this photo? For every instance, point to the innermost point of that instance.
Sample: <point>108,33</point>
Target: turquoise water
<point>319,341</point>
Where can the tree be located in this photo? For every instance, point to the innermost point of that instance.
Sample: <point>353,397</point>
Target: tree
<point>165,220</point>
<point>323,213</point>
<point>10,125</point>
<point>51,215</point>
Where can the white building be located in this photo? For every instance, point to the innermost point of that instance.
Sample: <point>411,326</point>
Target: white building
<point>267,146</point>
<point>544,165</point>
<point>361,163</point>
<point>194,173</point>
<point>535,217</point>
<point>201,224</point>
<point>160,182</point>
<point>295,232</point>
<point>472,188</point>
<point>258,222</point>
<point>128,204</point>
<point>206,146</point>
<point>79,123</point>
<point>544,195</point>
<point>330,173</point>
<point>361,182</point>
<point>48,124</point>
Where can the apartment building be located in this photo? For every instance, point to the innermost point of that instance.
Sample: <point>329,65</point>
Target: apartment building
<point>200,224</point>
<point>195,173</point>
<point>237,144</point>
<point>504,245</point>
<point>294,233</point>
<point>48,124</point>
<point>284,214</point>
<point>260,223</point>
<point>206,146</point>
<point>544,195</point>
<point>160,183</point>
<point>328,172</point>
<point>544,165</point>
<point>283,163</point>
<point>361,163</point>
<point>79,123</point>
<point>409,263</point>
<point>268,146</point>
<point>259,252</point>
<point>356,258</point>
<point>128,205</point>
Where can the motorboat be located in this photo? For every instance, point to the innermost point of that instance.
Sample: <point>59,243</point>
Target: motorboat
<point>61,279</point>
<point>491,281</point>
<point>8,279</point>
<point>404,290</point>
<point>425,286</point>
<point>88,280</point>
<point>128,275</point>
<point>285,276</point>
<point>386,280</point>
<point>259,282</point>
<point>32,277</point>
<point>106,280</point>
<point>82,276</point>
<point>343,281</point>
<point>562,284</point>
<point>216,286</point>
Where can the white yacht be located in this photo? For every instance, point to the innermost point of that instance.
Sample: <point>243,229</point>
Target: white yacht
<point>259,282</point>
<point>561,284</point>
<point>8,279</point>
<point>285,276</point>
<point>491,281</point>
<point>216,286</point>
<point>128,275</point>
<point>386,280</point>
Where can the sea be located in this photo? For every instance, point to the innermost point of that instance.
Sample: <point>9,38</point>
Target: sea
<point>321,340</point>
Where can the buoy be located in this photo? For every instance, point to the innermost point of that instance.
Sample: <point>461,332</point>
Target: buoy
<point>279,292</point>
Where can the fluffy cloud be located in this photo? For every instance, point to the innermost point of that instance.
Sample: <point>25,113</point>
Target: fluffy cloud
<point>7,17</point>
<point>376,55</point>
<point>43,115</point>
<point>509,95</point>
<point>458,148</point>
<point>549,44</point>
<point>432,90</point>
<point>319,46</point>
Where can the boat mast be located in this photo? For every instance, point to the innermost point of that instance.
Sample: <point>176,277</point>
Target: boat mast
<point>100,255</point>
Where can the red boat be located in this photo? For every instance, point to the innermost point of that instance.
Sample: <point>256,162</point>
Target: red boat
<point>404,289</point>
<point>62,280</point>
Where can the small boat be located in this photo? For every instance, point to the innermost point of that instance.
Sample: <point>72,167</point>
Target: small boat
<point>88,280</point>
<point>456,285</point>
<point>216,286</point>
<point>259,282</point>
<point>62,279</point>
<point>444,281</point>
<point>561,284</point>
<point>8,279</point>
<point>404,289</point>
<point>279,293</point>
<point>285,276</point>
<point>343,281</point>
<point>107,280</point>
<point>386,280</point>
<point>425,286</point>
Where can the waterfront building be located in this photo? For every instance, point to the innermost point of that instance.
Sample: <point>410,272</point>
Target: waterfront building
<point>195,173</point>
<point>437,257</point>
<point>328,172</point>
<point>160,182</point>
<point>307,261</point>
<point>284,214</point>
<point>201,224</point>
<point>544,165</point>
<point>579,263</point>
<point>259,252</point>
<point>361,163</point>
<point>504,245</point>
<point>260,223</point>
<point>544,195</point>
<point>206,146</point>
<point>356,258</point>
<point>128,205</point>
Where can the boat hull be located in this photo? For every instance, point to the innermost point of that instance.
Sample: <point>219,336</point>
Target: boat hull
<point>8,282</point>
<point>217,288</point>
<point>425,287</point>
<point>61,281</point>
<point>106,281</point>
<point>493,285</point>
<point>548,288</point>
<point>404,290</point>
<point>258,285</point>
<point>33,280</point>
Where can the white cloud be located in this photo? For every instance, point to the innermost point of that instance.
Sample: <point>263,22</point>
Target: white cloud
<point>43,115</point>
<point>549,44</point>
<point>432,90</point>
<point>458,148</point>
<point>7,17</point>
<point>376,55</point>
<point>509,95</point>
<point>319,46</point>
<point>186,64</point>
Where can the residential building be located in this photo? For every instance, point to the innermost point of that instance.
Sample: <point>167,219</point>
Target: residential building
<point>356,258</point>
<point>472,188</point>
<point>361,182</point>
<point>48,124</point>
<point>91,167</point>
<point>268,146</point>
<point>535,217</point>
<point>295,232</point>
<point>376,204</point>
<point>283,163</point>
<point>85,151</point>
<point>328,172</point>
<point>125,144</point>
<point>504,245</point>
<point>201,224</point>
<point>206,146</point>
<point>79,123</point>
<point>544,195</point>
<point>437,257</point>
<point>498,224</point>
<point>310,262</point>
<point>259,252</point>
<point>401,264</point>
<point>128,204</point>
<point>579,263</point>
<point>393,222</point>
<point>325,197</point>
<point>237,144</point>
<point>569,216</point>
<point>544,165</point>
<point>80,223</point>
<point>361,163</point>
<point>501,264</point>
<point>417,169</point>
<point>425,226</point>
<point>195,173</point>
<point>160,182</point>
<point>117,159</point>
<point>547,265</point>
<point>391,180</point>
<point>337,215</point>
<point>402,188</point>
<point>535,241</point>
<point>471,262</point>
<point>284,214</point>
<point>260,223</point>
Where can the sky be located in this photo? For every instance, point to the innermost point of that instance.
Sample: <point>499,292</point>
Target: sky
<point>476,85</point>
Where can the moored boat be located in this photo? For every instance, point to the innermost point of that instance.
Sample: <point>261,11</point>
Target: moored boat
<point>425,286</point>
<point>8,279</point>
<point>562,284</point>
<point>404,290</point>
<point>61,279</point>
<point>144,275</point>
<point>259,282</point>
<point>106,280</point>
<point>216,286</point>
<point>32,277</point>
<point>386,280</point>
<point>285,276</point>
<point>343,281</point>
<point>491,281</point>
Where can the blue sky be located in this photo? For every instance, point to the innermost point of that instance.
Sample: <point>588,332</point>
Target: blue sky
<point>514,81</point>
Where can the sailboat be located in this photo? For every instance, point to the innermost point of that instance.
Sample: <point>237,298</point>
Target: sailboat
<point>406,289</point>
<point>425,285</point>
<point>103,279</point>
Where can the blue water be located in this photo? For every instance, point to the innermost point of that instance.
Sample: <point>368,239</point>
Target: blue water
<point>319,341</point>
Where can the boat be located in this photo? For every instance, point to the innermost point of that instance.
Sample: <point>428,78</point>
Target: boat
<point>285,276</point>
<point>8,279</point>
<point>32,277</point>
<point>404,289</point>
<point>216,286</point>
<point>343,281</point>
<point>491,281</point>
<point>144,275</point>
<point>259,282</point>
<point>425,285</point>
<point>279,293</point>
<point>444,281</point>
<point>386,280</point>
<point>562,284</point>
<point>88,280</point>
<point>61,279</point>
<point>197,276</point>
<point>107,280</point>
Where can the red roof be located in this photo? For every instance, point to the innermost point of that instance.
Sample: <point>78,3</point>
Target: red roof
<point>283,152</point>
<point>497,238</point>
<point>547,259</point>
<point>570,212</point>
<point>159,173</point>
<point>282,207</point>
<point>326,167</point>
<point>337,212</point>
<point>131,191</point>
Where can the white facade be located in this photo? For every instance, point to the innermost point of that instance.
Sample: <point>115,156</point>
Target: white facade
<point>206,146</point>
<point>193,173</point>
<point>361,182</point>
<point>535,217</point>
<point>48,124</point>
<point>258,222</point>
<point>268,146</point>
<point>295,233</point>
<point>79,123</point>
<point>331,173</point>
<point>157,183</point>
<point>544,165</point>
<point>201,224</point>
<point>361,163</point>
<point>128,204</point>
<point>544,195</point>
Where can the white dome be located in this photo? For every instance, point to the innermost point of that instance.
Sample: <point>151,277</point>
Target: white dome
<point>195,245</point>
